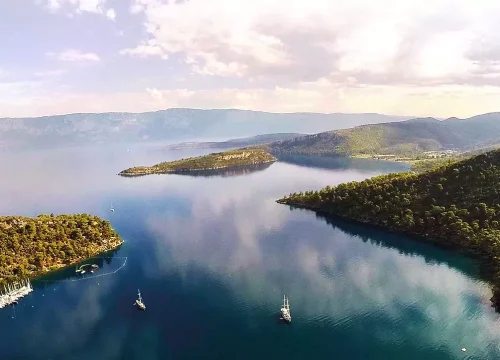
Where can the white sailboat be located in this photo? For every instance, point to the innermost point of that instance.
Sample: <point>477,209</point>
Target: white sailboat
<point>139,302</point>
<point>112,208</point>
<point>285,310</point>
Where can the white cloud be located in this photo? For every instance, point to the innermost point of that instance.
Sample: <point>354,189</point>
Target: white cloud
<point>95,6</point>
<point>438,58</point>
<point>111,14</point>
<point>72,55</point>
<point>145,50</point>
<point>155,94</point>
<point>49,73</point>
<point>136,9</point>
<point>82,6</point>
<point>54,4</point>
<point>415,43</point>
<point>445,101</point>
<point>140,5</point>
<point>17,87</point>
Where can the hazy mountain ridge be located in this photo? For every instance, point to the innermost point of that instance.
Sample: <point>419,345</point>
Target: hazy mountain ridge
<point>239,142</point>
<point>171,124</point>
<point>401,138</point>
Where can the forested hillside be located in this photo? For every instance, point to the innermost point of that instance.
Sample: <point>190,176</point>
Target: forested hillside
<point>456,205</point>
<point>31,246</point>
<point>214,161</point>
<point>400,138</point>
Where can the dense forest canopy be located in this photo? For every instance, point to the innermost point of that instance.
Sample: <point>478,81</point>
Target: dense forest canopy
<point>221,160</point>
<point>456,205</point>
<point>432,164</point>
<point>32,246</point>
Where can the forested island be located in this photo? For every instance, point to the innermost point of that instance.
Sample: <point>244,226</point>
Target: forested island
<point>221,160</point>
<point>32,246</point>
<point>456,206</point>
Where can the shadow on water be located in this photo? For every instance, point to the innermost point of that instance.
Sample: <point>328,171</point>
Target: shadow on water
<point>405,245</point>
<point>229,172</point>
<point>342,163</point>
<point>69,273</point>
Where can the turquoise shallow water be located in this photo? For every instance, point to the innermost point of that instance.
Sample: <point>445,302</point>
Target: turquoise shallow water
<point>213,257</point>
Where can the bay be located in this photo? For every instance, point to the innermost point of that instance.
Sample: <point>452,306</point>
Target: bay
<point>213,257</point>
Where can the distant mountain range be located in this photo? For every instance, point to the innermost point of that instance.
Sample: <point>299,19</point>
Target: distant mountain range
<point>400,138</point>
<point>170,125</point>
<point>235,143</point>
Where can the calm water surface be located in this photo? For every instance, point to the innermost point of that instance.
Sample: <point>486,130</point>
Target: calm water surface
<point>213,257</point>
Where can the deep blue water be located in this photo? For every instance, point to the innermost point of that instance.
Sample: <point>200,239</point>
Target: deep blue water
<point>213,257</point>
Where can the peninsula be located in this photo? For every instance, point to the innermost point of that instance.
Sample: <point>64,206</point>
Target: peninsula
<point>32,246</point>
<point>222,160</point>
<point>456,206</point>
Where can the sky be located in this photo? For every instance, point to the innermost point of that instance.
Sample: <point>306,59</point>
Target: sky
<point>405,57</point>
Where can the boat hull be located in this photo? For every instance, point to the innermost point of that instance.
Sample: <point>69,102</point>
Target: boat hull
<point>140,306</point>
<point>285,316</point>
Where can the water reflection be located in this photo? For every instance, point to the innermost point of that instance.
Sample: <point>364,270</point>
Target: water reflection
<point>213,257</point>
<point>103,261</point>
<point>237,171</point>
<point>342,163</point>
<point>405,245</point>
<point>61,313</point>
<point>228,172</point>
<point>336,275</point>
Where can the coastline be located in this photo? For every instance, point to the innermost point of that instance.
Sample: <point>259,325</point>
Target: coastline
<point>57,267</point>
<point>54,272</point>
<point>116,243</point>
<point>187,170</point>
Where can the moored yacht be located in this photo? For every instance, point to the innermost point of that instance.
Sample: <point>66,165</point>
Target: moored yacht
<point>139,302</point>
<point>285,310</point>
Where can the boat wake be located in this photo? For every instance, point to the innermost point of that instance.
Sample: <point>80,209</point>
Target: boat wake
<point>82,278</point>
<point>101,275</point>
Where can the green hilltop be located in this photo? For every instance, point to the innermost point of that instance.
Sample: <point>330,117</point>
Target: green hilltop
<point>214,161</point>
<point>405,138</point>
<point>457,206</point>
